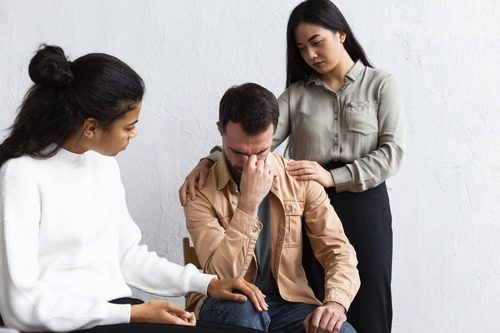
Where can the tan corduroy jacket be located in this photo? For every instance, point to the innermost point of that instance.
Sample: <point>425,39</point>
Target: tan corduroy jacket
<point>224,236</point>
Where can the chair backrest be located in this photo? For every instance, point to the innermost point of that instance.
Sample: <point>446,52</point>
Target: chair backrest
<point>190,256</point>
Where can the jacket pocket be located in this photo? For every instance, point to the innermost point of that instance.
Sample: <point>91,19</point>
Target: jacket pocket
<point>293,224</point>
<point>361,117</point>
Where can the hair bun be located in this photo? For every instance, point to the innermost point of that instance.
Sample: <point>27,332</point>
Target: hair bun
<point>50,67</point>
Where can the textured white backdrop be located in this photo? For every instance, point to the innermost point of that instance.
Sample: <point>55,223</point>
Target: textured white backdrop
<point>443,53</point>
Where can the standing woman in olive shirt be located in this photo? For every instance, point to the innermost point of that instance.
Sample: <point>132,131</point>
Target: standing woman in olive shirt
<point>345,128</point>
<point>344,122</point>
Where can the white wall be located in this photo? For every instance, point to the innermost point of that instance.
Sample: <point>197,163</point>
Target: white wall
<point>443,53</point>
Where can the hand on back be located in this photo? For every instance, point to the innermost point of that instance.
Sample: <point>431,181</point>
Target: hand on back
<point>310,170</point>
<point>194,180</point>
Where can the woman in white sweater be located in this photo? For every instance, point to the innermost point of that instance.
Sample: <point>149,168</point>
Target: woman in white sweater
<point>68,246</point>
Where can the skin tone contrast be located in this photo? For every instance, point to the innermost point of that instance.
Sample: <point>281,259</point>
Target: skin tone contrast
<point>110,141</point>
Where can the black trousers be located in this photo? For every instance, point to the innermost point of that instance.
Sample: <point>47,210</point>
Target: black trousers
<point>201,327</point>
<point>367,221</point>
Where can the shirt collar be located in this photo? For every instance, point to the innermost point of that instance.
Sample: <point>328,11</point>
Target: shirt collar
<point>352,75</point>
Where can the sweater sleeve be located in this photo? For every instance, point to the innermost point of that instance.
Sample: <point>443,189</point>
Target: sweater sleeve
<point>27,303</point>
<point>147,271</point>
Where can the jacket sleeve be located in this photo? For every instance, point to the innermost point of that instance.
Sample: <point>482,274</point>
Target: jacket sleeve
<point>330,246</point>
<point>27,303</point>
<point>226,252</point>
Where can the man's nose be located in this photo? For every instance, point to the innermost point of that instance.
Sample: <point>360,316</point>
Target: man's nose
<point>244,159</point>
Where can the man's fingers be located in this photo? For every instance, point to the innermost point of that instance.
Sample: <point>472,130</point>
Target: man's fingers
<point>337,325</point>
<point>252,161</point>
<point>326,317</point>
<point>307,321</point>
<point>314,320</point>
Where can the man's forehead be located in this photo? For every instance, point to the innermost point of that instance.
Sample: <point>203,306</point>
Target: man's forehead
<point>236,129</point>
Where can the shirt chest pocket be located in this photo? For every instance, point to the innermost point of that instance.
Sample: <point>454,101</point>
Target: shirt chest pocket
<point>293,223</point>
<point>361,117</point>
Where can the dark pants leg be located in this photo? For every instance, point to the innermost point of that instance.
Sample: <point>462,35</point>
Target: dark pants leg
<point>282,316</point>
<point>232,313</point>
<point>367,222</point>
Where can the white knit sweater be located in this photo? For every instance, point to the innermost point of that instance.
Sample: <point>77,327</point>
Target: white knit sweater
<point>68,245</point>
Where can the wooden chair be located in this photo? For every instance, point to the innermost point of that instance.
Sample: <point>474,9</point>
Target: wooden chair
<point>190,256</point>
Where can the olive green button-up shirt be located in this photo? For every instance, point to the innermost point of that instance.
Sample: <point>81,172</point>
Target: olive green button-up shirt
<point>362,125</point>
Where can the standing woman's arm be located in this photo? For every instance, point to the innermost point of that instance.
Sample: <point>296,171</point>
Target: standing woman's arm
<point>376,166</point>
<point>283,127</point>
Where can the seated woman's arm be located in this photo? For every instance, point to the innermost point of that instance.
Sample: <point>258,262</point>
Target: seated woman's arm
<point>26,302</point>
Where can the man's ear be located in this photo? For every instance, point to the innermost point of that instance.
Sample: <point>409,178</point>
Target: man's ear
<point>219,127</point>
<point>89,128</point>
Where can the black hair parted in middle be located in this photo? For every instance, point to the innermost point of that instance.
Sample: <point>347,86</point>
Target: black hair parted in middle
<point>325,14</point>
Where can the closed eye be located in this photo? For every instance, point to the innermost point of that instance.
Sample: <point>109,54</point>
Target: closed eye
<point>317,42</point>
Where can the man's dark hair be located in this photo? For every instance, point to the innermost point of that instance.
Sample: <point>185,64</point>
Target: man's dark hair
<point>250,105</point>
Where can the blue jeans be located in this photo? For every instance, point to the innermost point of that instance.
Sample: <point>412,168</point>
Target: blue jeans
<point>282,316</point>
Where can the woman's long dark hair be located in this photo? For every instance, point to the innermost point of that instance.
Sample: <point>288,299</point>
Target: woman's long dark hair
<point>66,93</point>
<point>325,14</point>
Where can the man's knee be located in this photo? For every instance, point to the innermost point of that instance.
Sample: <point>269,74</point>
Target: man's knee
<point>241,314</point>
<point>347,328</point>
